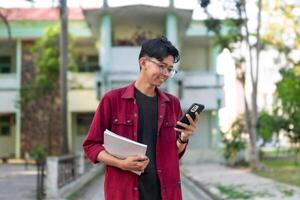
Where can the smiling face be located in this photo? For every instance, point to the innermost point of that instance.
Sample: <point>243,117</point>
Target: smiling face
<point>155,72</point>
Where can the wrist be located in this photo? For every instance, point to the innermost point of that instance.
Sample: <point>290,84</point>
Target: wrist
<point>182,140</point>
<point>120,164</point>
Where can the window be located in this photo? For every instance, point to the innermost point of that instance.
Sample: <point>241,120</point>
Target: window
<point>88,63</point>
<point>5,64</point>
<point>84,121</point>
<point>5,125</point>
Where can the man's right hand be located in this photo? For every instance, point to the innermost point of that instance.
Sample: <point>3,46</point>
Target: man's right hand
<point>134,163</point>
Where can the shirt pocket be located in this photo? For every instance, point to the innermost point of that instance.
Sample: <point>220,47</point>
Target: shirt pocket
<point>168,132</point>
<point>123,125</point>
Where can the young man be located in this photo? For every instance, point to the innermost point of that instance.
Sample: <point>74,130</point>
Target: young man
<point>143,113</point>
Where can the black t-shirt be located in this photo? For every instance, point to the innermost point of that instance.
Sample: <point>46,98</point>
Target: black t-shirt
<point>149,186</point>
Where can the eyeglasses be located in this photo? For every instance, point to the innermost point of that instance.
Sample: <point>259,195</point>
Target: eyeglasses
<point>163,68</point>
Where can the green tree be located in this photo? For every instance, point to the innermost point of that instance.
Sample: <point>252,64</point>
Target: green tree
<point>267,126</point>
<point>42,93</point>
<point>288,103</point>
<point>244,43</point>
<point>63,64</point>
<point>233,141</point>
<point>283,34</point>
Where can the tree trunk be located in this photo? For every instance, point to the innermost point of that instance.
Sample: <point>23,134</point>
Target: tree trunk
<point>251,117</point>
<point>63,72</point>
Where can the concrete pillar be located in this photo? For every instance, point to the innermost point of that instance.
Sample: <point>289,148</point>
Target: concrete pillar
<point>18,110</point>
<point>219,98</point>
<point>216,134</point>
<point>214,52</point>
<point>105,4</point>
<point>81,163</point>
<point>171,3</point>
<point>52,178</point>
<point>172,35</point>
<point>105,48</point>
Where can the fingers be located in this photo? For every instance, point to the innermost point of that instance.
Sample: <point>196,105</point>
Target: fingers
<point>188,129</point>
<point>141,165</point>
<point>136,163</point>
<point>192,123</point>
<point>197,118</point>
<point>137,158</point>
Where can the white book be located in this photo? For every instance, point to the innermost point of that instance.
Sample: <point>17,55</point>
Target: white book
<point>123,147</point>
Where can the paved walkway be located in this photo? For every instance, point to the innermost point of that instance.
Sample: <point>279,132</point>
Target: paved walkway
<point>16,183</point>
<point>94,191</point>
<point>226,183</point>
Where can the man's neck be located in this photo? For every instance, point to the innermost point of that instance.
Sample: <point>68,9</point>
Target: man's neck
<point>145,88</point>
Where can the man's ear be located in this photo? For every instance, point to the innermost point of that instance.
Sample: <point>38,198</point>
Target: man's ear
<point>142,62</point>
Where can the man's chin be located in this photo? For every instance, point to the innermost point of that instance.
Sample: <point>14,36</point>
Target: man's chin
<point>159,83</point>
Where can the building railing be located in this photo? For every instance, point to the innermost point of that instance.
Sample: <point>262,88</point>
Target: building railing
<point>63,171</point>
<point>66,170</point>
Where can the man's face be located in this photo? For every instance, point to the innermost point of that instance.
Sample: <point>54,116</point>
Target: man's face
<point>157,72</point>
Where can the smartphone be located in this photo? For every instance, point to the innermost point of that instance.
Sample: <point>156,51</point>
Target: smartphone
<point>195,107</point>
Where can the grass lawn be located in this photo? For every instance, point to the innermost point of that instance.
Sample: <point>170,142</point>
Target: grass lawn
<point>282,170</point>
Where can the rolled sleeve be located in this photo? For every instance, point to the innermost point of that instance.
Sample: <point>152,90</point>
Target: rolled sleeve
<point>93,143</point>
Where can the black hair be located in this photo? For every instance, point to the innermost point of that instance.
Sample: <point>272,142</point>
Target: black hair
<point>159,48</point>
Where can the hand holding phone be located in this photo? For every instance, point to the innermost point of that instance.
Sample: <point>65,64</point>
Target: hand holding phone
<point>195,107</point>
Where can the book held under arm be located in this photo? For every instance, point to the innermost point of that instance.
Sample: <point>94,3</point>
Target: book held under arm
<point>122,147</point>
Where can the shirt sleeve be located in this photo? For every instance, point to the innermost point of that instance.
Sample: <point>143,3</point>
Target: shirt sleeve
<point>93,143</point>
<point>179,114</point>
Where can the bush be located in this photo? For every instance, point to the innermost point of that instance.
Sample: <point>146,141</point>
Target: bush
<point>38,152</point>
<point>233,141</point>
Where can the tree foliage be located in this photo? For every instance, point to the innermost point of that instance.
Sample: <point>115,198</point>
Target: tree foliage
<point>269,125</point>
<point>288,99</point>
<point>46,57</point>
<point>283,34</point>
<point>233,141</point>
<point>40,94</point>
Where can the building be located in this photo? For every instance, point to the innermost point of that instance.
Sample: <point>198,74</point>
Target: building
<point>108,42</point>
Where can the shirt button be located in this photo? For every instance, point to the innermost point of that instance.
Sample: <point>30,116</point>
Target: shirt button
<point>159,171</point>
<point>135,188</point>
<point>161,116</point>
<point>116,120</point>
<point>135,114</point>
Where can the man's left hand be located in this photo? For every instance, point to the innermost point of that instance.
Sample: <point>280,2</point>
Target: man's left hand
<point>188,129</point>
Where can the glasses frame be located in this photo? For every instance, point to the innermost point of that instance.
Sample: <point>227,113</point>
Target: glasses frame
<point>163,68</point>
